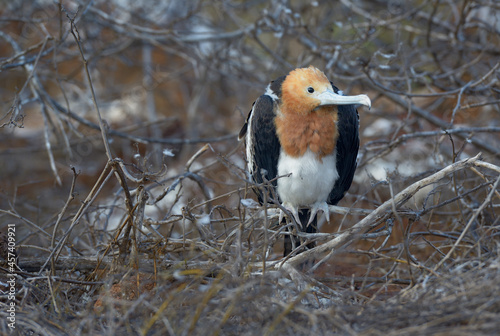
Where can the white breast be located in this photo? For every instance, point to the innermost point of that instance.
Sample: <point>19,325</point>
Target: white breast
<point>311,180</point>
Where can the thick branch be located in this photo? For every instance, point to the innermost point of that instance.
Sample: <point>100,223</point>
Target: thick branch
<point>398,200</point>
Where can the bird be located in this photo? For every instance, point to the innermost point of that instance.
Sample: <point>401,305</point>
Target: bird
<point>302,141</point>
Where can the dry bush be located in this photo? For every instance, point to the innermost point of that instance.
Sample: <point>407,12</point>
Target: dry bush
<point>124,180</point>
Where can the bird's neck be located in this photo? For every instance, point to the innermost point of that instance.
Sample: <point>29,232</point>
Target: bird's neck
<point>316,131</point>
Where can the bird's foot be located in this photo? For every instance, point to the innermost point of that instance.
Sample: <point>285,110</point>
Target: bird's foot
<point>293,210</point>
<point>319,206</point>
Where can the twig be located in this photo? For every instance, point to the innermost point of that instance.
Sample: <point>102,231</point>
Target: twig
<point>71,197</point>
<point>469,224</point>
<point>399,199</point>
<point>139,139</point>
<point>76,36</point>
<point>436,121</point>
<point>103,178</point>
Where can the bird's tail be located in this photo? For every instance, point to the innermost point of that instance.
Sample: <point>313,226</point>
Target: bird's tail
<point>304,215</point>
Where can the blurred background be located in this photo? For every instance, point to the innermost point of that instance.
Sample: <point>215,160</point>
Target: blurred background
<point>174,82</point>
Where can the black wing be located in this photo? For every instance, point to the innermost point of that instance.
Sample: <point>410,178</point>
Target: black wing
<point>263,146</point>
<point>347,150</point>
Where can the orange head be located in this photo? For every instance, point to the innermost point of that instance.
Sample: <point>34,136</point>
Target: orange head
<point>306,89</point>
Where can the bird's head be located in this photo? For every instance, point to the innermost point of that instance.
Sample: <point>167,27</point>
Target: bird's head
<point>306,89</point>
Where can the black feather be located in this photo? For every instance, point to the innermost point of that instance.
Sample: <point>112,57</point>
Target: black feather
<point>266,150</point>
<point>275,86</point>
<point>265,144</point>
<point>347,151</point>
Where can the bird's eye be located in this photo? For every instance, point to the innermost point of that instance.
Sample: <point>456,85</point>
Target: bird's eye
<point>310,89</point>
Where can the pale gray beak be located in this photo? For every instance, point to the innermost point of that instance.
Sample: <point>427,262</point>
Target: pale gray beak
<point>331,98</point>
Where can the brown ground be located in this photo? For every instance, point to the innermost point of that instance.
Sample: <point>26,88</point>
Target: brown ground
<point>154,233</point>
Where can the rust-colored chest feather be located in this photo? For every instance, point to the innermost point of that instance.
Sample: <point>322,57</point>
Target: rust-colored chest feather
<point>316,131</point>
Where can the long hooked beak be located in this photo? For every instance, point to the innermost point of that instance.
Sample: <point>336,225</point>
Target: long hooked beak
<point>329,97</point>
